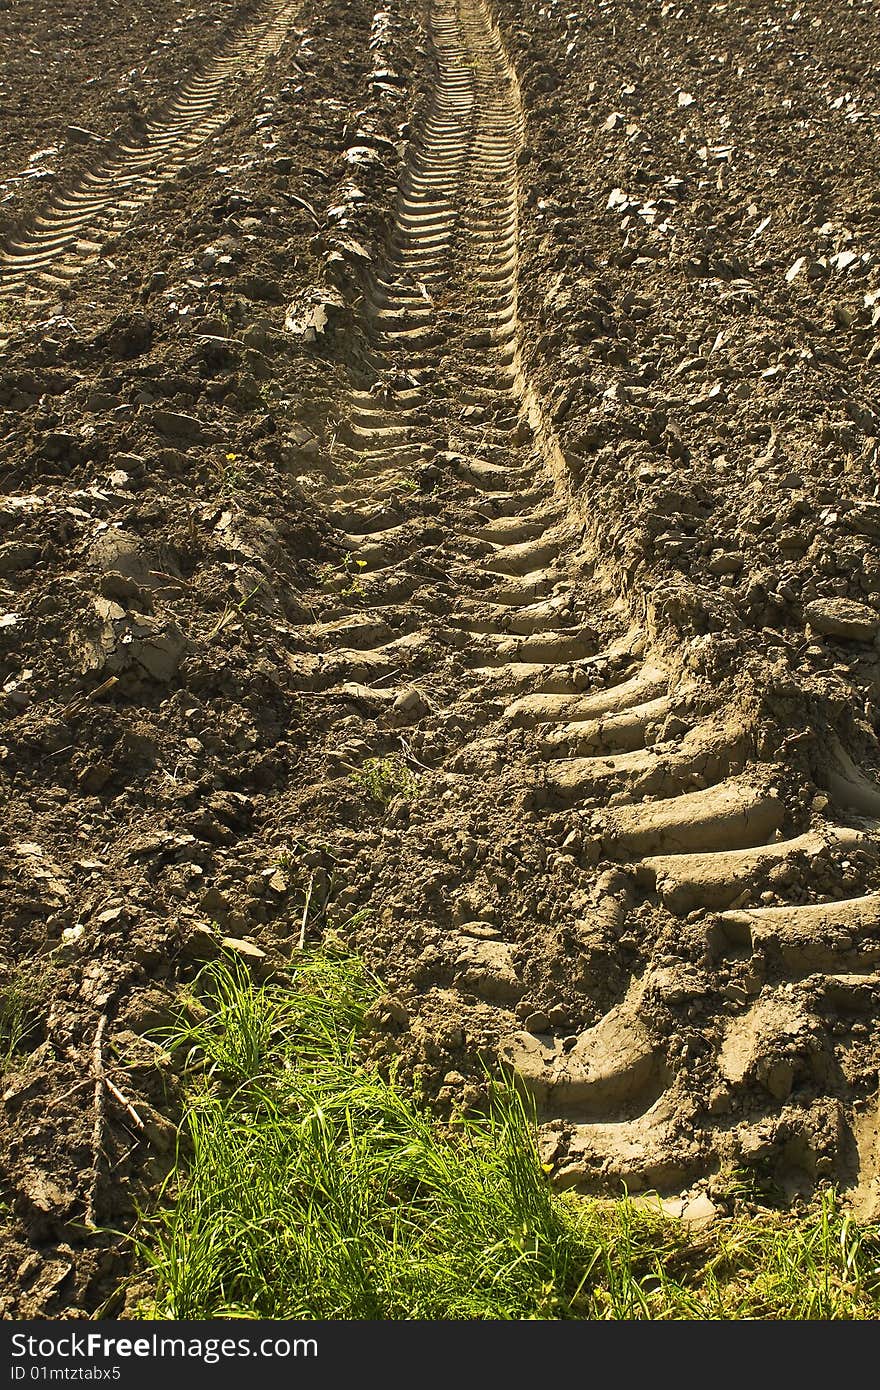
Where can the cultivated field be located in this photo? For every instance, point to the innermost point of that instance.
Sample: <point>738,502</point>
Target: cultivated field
<point>440,467</point>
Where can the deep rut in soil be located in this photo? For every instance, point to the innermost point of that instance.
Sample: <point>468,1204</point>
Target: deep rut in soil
<point>664,802</point>
<point>69,232</point>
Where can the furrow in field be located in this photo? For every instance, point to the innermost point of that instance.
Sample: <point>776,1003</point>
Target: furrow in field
<point>493,605</point>
<point>69,232</point>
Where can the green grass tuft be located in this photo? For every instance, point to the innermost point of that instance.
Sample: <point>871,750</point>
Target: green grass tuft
<point>309,1186</point>
<point>385,778</point>
<point>23,994</point>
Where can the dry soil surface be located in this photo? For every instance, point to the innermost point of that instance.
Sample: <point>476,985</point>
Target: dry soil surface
<point>440,514</point>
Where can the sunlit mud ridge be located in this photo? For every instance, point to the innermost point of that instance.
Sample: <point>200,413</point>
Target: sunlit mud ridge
<point>69,232</point>
<point>732,1037</point>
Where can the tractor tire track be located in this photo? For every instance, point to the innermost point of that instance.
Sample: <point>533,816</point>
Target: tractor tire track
<point>69,232</point>
<point>678,809</point>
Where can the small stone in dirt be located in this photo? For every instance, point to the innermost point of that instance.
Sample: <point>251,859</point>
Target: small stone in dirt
<point>411,702</point>
<point>729,562</point>
<point>29,1267</point>
<point>486,968</point>
<point>537,1022</point>
<point>843,617</point>
<point>483,931</point>
<point>277,882</point>
<point>175,423</point>
<point>246,951</point>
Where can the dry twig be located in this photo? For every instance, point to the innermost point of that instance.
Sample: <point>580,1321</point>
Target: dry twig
<point>99,1118</point>
<point>124,1102</point>
<point>305,916</point>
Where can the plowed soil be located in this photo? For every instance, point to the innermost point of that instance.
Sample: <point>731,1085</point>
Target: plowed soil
<point>441,514</point>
